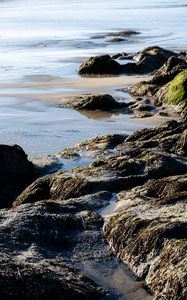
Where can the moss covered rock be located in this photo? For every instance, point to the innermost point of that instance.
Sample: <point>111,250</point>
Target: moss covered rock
<point>175,92</point>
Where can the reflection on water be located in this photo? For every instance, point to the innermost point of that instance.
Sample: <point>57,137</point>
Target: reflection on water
<point>42,129</point>
<point>117,279</point>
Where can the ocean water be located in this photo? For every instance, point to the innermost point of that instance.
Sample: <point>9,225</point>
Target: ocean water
<point>42,36</point>
<point>41,40</point>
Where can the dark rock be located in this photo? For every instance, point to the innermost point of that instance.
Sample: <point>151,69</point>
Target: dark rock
<point>154,57</point>
<point>43,244</point>
<point>148,60</point>
<point>124,33</point>
<point>16,173</point>
<point>175,92</point>
<point>94,147</point>
<point>117,40</point>
<point>45,281</point>
<point>102,102</point>
<point>118,55</point>
<point>149,233</point>
<point>103,64</point>
<point>135,162</point>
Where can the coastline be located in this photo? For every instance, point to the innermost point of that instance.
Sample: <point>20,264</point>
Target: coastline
<point>93,200</point>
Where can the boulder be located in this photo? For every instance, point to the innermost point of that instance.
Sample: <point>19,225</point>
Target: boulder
<point>175,92</point>
<point>16,173</point>
<point>103,102</point>
<point>152,58</point>
<point>148,60</point>
<point>99,65</point>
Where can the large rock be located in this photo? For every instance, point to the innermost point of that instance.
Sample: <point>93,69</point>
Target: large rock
<point>152,58</point>
<point>43,245</point>
<point>134,162</point>
<point>175,92</point>
<point>103,102</point>
<point>149,233</point>
<point>147,61</point>
<point>98,65</point>
<point>16,172</point>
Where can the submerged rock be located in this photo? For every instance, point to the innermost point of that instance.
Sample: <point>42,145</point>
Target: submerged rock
<point>16,172</point>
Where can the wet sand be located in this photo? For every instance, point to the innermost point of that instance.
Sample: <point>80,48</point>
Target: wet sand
<point>31,116</point>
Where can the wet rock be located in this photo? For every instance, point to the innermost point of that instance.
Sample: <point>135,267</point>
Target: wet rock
<point>118,55</point>
<point>44,281</point>
<point>153,58</point>
<point>94,147</point>
<point>16,173</point>
<point>117,40</point>
<point>124,33</point>
<point>148,60</point>
<point>98,65</point>
<point>103,102</point>
<point>164,75</point>
<point>149,233</point>
<point>143,105</point>
<point>42,246</point>
<point>134,162</point>
<point>175,92</point>
<point>142,89</point>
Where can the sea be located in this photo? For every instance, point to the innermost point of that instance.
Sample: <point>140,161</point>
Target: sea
<point>42,41</point>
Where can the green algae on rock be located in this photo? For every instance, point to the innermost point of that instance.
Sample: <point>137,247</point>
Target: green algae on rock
<point>175,92</point>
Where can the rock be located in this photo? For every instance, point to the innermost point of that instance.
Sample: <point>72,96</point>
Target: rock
<point>94,147</point>
<point>124,33</point>
<point>99,65</point>
<point>127,57</point>
<point>149,233</point>
<point>103,102</point>
<point>143,106</point>
<point>175,92</point>
<point>134,162</point>
<point>142,89</point>
<point>168,86</point>
<point>16,173</point>
<point>168,71</point>
<point>42,246</point>
<point>117,40</point>
<point>118,55</point>
<point>153,57</point>
<point>44,281</point>
<point>148,60</point>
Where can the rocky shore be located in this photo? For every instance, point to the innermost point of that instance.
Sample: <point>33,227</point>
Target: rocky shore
<point>50,225</point>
